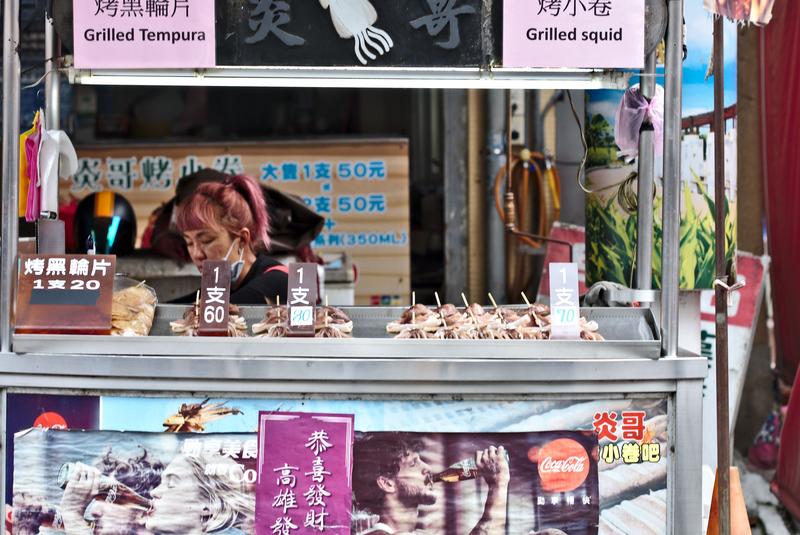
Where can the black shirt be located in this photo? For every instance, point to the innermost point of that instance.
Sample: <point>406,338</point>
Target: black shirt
<point>266,280</point>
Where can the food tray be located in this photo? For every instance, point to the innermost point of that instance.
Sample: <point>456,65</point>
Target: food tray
<point>629,333</point>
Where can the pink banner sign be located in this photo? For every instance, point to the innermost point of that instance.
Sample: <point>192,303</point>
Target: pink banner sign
<point>600,34</point>
<point>305,469</point>
<point>136,34</point>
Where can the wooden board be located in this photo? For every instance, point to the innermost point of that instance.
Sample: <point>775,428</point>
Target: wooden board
<point>367,192</point>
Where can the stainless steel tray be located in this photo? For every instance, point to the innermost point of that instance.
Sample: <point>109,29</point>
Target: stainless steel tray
<point>629,333</point>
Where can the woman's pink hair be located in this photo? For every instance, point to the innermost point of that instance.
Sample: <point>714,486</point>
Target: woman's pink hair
<point>235,203</point>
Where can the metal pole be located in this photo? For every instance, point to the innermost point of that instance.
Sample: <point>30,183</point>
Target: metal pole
<point>670,257</point>
<point>721,293</point>
<point>644,247</point>
<point>495,159</point>
<point>11,98</point>
<point>455,192</point>
<point>52,87</point>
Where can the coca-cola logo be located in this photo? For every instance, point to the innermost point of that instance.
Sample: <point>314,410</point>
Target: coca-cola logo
<point>571,464</point>
<point>50,420</point>
<point>563,465</point>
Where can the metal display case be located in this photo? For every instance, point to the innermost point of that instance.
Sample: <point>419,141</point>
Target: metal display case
<point>630,334</point>
<point>640,359</point>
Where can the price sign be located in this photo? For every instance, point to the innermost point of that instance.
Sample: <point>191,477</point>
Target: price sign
<point>215,296</point>
<point>564,312</point>
<point>67,294</point>
<point>302,296</point>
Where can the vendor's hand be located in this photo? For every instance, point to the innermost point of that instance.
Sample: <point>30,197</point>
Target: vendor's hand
<point>493,466</point>
<point>82,487</point>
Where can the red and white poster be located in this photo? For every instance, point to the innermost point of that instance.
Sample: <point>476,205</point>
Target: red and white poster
<point>743,311</point>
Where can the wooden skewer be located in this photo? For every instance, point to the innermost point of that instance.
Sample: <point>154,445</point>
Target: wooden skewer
<point>439,304</point>
<point>413,305</point>
<point>525,297</point>
<point>469,310</point>
<point>496,309</point>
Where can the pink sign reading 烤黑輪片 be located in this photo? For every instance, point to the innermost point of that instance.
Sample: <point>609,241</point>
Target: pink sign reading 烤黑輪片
<point>600,34</point>
<point>158,34</point>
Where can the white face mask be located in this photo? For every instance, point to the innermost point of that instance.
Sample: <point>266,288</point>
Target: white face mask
<point>236,267</point>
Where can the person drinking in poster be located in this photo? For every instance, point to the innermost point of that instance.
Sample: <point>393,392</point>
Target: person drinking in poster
<point>110,497</point>
<point>202,493</point>
<point>391,482</point>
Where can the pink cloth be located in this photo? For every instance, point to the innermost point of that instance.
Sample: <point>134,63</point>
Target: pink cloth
<point>758,12</point>
<point>33,206</point>
<point>631,114</point>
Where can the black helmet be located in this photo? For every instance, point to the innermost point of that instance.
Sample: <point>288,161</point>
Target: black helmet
<point>112,220</point>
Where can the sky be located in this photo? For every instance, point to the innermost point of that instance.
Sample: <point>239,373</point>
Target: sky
<point>698,94</point>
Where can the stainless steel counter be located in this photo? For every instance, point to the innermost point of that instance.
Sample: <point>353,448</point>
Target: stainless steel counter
<point>630,334</point>
<point>375,366</point>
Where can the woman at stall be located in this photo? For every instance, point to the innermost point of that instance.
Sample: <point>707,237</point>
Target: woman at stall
<point>228,220</point>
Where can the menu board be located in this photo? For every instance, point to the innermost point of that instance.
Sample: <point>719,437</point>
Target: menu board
<point>65,294</point>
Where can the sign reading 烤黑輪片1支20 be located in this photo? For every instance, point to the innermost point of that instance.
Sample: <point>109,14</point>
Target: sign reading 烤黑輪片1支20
<point>139,34</point>
<point>600,34</point>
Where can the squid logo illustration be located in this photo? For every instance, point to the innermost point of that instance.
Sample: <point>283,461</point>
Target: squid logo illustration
<point>355,18</point>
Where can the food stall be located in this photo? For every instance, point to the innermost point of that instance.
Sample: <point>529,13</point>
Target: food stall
<point>628,402</point>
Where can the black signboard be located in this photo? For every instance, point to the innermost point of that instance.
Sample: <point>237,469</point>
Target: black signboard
<point>347,33</point>
<point>215,296</point>
<point>302,297</point>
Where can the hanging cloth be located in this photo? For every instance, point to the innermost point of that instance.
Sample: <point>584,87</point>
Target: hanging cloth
<point>633,110</point>
<point>32,145</point>
<point>23,167</point>
<point>758,12</point>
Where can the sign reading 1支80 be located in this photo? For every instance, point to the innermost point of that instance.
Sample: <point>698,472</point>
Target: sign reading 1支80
<point>302,297</point>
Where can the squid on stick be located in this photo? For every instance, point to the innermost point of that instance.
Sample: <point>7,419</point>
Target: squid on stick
<point>355,18</point>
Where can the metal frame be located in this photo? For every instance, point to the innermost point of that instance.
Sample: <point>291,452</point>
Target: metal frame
<point>300,369</point>
<point>363,77</point>
<point>670,273</point>
<point>680,379</point>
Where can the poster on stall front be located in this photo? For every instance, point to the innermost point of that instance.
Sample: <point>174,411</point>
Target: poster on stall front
<point>106,482</point>
<point>142,483</point>
<point>460,483</point>
<point>305,473</point>
<point>359,187</point>
<point>48,411</point>
<point>633,455</point>
<point>611,222</point>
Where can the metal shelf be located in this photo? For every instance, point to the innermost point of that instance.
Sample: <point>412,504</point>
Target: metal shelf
<point>490,376</point>
<point>631,334</point>
<point>358,77</point>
